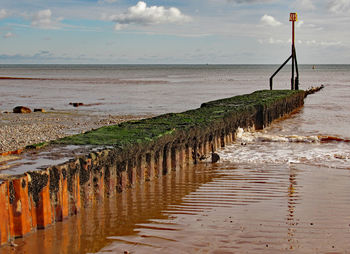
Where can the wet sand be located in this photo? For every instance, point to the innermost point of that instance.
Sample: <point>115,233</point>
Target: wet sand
<point>233,207</point>
<point>225,208</point>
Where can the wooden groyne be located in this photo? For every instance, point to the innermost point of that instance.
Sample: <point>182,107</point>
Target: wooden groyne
<point>130,153</point>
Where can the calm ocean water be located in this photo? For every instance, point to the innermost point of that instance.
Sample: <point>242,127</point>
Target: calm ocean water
<point>135,89</point>
<point>275,190</point>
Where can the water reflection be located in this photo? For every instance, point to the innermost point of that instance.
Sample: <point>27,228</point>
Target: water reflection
<point>225,208</point>
<point>206,220</point>
<point>292,200</point>
<point>120,215</point>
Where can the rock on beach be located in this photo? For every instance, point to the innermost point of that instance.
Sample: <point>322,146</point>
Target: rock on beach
<point>21,109</point>
<point>76,104</point>
<point>39,110</point>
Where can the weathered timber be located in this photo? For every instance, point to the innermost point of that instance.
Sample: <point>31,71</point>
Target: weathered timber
<point>313,90</point>
<point>128,154</point>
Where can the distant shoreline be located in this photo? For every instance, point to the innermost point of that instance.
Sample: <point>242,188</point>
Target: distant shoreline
<point>26,78</point>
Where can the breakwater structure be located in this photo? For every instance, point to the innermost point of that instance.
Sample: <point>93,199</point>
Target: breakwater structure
<point>113,158</point>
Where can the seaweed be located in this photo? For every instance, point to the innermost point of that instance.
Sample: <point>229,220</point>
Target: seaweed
<point>169,127</point>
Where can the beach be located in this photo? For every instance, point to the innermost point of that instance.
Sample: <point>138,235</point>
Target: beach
<point>274,190</point>
<point>20,130</point>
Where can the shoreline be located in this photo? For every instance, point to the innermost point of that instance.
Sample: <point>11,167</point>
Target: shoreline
<point>130,154</point>
<point>20,78</point>
<point>20,130</point>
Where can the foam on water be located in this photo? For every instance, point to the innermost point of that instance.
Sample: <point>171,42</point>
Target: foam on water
<point>252,137</point>
<point>265,148</point>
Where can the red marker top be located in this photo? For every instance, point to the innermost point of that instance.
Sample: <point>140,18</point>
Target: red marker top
<point>293,16</point>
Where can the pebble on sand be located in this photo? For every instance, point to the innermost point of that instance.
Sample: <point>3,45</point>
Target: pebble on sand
<point>76,104</point>
<point>39,110</point>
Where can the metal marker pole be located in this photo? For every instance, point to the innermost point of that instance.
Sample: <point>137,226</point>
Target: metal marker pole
<point>296,68</point>
<point>293,18</point>
<point>294,82</point>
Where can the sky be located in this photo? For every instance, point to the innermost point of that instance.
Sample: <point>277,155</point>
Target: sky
<point>173,32</point>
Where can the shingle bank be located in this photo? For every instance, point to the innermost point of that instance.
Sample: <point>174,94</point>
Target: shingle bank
<point>128,154</point>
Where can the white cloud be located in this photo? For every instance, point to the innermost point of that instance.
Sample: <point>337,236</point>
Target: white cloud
<point>270,21</point>
<point>3,13</point>
<point>311,43</point>
<point>338,6</point>
<point>309,26</point>
<point>141,14</point>
<point>299,23</point>
<point>8,35</point>
<point>43,19</point>
<point>306,5</point>
<point>275,41</point>
<point>324,43</point>
<point>272,40</point>
<point>118,27</point>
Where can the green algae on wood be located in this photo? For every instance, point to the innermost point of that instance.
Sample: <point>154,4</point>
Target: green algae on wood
<point>37,146</point>
<point>211,115</point>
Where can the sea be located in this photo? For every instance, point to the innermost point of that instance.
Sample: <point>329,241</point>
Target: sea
<point>282,189</point>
